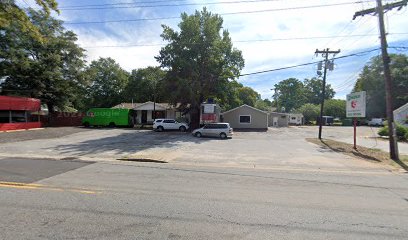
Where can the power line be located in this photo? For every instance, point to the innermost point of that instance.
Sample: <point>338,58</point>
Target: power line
<point>177,5</point>
<point>222,14</point>
<point>134,5</point>
<point>245,41</point>
<point>309,63</point>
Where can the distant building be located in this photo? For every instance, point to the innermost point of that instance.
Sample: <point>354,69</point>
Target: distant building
<point>278,119</point>
<point>296,119</point>
<point>19,113</point>
<point>401,114</point>
<point>246,117</point>
<point>148,111</point>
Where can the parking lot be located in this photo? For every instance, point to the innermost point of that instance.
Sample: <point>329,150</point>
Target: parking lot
<point>276,148</point>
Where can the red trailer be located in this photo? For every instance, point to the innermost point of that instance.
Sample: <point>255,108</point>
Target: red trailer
<point>18,113</point>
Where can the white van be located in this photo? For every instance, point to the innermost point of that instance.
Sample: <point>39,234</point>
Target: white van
<point>222,130</point>
<point>376,122</point>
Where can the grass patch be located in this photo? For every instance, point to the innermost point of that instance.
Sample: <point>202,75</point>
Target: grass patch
<point>370,154</point>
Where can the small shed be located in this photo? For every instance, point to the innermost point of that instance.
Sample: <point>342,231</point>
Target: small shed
<point>246,117</point>
<point>278,119</point>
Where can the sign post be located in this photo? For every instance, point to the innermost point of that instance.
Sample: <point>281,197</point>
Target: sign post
<point>356,108</point>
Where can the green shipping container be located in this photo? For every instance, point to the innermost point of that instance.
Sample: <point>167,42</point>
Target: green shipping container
<point>111,117</point>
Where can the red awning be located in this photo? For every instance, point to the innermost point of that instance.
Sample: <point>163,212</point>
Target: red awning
<point>19,103</point>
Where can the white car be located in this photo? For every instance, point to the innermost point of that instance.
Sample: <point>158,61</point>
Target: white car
<point>376,122</point>
<point>162,124</point>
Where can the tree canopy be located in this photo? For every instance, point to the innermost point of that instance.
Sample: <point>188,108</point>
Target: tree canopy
<point>107,83</point>
<point>200,60</point>
<point>146,84</point>
<point>49,70</point>
<point>313,90</point>
<point>11,13</point>
<point>293,93</point>
<point>371,80</point>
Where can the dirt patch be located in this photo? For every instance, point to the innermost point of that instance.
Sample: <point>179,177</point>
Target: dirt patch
<point>370,154</point>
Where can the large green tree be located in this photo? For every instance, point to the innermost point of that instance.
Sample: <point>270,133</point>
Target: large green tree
<point>371,80</point>
<point>107,83</point>
<point>49,70</point>
<point>248,96</point>
<point>12,14</point>
<point>290,94</point>
<point>313,91</point>
<point>335,108</point>
<point>309,111</point>
<point>200,60</point>
<point>146,84</point>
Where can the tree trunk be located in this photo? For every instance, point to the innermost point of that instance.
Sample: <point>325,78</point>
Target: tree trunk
<point>195,118</point>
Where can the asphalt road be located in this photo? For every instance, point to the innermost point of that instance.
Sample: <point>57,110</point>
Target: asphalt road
<point>124,200</point>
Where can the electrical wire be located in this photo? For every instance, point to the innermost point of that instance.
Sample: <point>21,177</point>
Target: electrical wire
<point>240,41</point>
<point>181,4</point>
<point>309,63</point>
<point>222,14</point>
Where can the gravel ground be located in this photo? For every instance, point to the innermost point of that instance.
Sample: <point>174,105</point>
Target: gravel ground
<point>42,133</point>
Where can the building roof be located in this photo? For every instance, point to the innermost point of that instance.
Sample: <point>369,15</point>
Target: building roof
<point>19,103</point>
<point>234,109</point>
<point>137,105</point>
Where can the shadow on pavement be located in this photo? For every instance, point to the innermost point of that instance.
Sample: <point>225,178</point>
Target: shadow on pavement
<point>130,142</point>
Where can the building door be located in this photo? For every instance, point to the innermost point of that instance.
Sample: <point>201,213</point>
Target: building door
<point>144,116</point>
<point>275,121</point>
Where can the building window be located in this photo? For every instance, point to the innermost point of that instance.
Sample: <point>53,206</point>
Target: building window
<point>245,119</point>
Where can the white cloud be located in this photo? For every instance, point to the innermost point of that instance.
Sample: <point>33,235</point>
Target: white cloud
<point>311,22</point>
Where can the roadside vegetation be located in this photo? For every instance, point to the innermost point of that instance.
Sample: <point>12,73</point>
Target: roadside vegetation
<point>370,154</point>
<point>402,132</point>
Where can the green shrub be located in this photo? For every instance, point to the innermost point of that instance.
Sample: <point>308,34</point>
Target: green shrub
<point>402,131</point>
<point>383,131</point>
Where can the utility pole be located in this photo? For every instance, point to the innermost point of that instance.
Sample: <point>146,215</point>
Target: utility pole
<point>325,53</point>
<point>275,96</point>
<point>387,73</point>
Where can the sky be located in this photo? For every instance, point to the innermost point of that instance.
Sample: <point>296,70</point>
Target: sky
<point>271,34</point>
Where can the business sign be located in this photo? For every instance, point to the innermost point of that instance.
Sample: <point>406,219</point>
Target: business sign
<point>356,104</point>
<point>209,108</point>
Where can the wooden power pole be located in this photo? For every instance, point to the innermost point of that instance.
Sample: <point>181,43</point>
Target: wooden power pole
<point>325,53</point>
<point>387,73</point>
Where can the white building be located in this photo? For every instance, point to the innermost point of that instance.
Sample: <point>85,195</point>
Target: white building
<point>296,119</point>
<point>148,111</point>
<point>401,114</point>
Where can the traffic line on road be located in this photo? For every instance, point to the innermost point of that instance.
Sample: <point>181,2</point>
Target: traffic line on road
<point>30,186</point>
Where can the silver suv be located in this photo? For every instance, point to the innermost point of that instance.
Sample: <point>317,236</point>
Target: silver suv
<point>222,130</point>
<point>162,124</point>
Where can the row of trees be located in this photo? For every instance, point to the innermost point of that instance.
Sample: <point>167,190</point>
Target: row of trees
<point>291,94</point>
<point>39,58</point>
<point>371,80</point>
<point>45,62</point>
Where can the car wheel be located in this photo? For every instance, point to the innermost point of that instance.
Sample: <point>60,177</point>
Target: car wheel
<point>198,134</point>
<point>112,125</point>
<point>86,124</point>
<point>182,129</point>
<point>160,129</point>
<point>223,135</point>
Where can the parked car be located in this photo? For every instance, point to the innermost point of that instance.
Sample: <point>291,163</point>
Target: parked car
<point>162,124</point>
<point>222,130</point>
<point>376,122</point>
